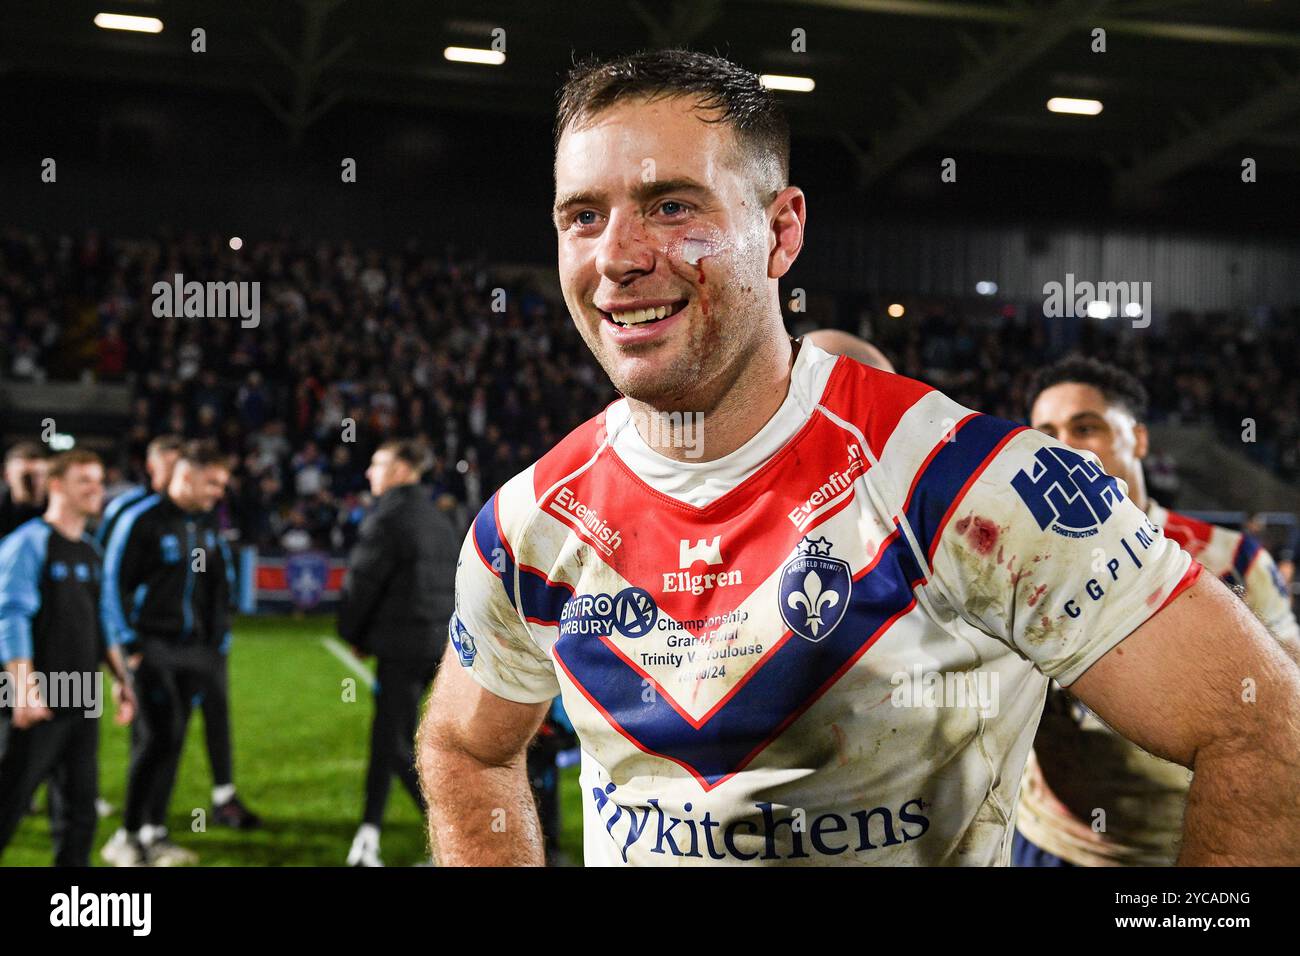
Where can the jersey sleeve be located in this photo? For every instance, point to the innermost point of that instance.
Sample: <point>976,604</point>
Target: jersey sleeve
<point>1266,593</point>
<point>1042,550</point>
<point>489,635</point>
<point>20,594</point>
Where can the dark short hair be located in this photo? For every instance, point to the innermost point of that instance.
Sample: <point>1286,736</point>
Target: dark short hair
<point>25,451</point>
<point>754,113</point>
<point>60,463</point>
<point>203,454</point>
<point>1117,386</point>
<point>410,450</point>
<point>164,444</point>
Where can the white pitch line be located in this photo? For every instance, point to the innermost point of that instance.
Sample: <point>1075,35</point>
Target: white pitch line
<point>345,657</point>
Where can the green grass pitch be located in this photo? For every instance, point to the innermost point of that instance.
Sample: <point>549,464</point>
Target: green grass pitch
<point>300,759</point>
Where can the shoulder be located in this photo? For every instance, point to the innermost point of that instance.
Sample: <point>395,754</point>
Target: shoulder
<point>29,538</point>
<point>570,454</point>
<point>145,505</point>
<point>1192,533</point>
<point>511,504</point>
<point>128,497</point>
<point>140,515</point>
<point>885,407</point>
<point>1222,550</point>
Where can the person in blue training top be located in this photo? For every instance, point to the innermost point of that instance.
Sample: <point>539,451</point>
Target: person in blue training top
<point>227,809</point>
<point>168,581</point>
<point>51,645</point>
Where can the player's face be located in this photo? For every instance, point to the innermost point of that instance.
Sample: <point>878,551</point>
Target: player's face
<point>654,207</point>
<point>1080,416</point>
<point>385,471</point>
<point>160,467</point>
<point>82,487</point>
<point>202,487</point>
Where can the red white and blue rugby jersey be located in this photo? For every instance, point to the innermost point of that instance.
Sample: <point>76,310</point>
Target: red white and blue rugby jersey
<point>827,647</point>
<point>1236,558</point>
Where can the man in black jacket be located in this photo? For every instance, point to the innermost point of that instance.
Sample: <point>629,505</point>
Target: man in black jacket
<point>397,600</point>
<point>168,577</point>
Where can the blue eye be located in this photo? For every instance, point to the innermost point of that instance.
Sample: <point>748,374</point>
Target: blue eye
<point>585,212</point>
<point>671,202</point>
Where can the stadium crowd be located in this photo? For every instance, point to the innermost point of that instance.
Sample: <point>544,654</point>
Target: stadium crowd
<point>398,344</point>
<point>407,343</point>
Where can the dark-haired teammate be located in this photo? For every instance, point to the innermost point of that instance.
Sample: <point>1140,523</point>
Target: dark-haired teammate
<point>227,809</point>
<point>51,646</point>
<point>167,590</point>
<point>743,627</point>
<point>1090,797</point>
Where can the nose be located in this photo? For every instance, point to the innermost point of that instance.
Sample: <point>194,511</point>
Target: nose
<point>626,247</point>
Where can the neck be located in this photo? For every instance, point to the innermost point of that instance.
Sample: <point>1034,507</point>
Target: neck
<point>70,522</point>
<point>1137,488</point>
<point>727,420</point>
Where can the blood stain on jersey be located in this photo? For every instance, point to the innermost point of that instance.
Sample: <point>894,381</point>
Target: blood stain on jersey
<point>980,532</point>
<point>1038,593</point>
<point>1017,575</point>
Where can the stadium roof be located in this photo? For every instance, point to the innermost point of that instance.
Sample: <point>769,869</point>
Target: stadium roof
<point>1186,86</point>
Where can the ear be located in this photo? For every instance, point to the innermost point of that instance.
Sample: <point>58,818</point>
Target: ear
<point>785,234</point>
<point>1141,440</point>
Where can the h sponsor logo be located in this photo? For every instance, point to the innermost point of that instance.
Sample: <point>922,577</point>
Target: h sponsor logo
<point>1067,492</point>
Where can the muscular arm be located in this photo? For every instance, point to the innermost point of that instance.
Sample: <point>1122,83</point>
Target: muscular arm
<point>1203,684</point>
<point>471,756</point>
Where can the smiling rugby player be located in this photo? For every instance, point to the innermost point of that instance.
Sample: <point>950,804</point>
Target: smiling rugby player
<point>866,559</point>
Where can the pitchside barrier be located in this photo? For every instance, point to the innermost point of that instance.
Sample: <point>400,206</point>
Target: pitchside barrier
<point>312,580</point>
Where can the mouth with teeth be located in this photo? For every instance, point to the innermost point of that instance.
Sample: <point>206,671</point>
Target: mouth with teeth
<point>647,316</point>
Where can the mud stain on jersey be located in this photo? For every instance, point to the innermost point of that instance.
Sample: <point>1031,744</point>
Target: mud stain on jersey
<point>841,745</point>
<point>1041,630</point>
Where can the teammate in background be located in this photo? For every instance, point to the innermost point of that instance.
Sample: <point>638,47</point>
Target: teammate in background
<point>23,497</point>
<point>1078,765</point>
<point>396,603</point>
<point>159,461</point>
<point>50,638</point>
<point>713,612</point>
<point>227,809</point>
<point>838,342</point>
<point>167,589</point>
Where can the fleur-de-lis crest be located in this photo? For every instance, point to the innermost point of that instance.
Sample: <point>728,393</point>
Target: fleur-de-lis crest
<point>814,600</point>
